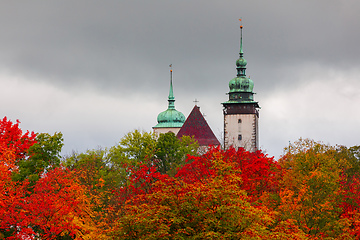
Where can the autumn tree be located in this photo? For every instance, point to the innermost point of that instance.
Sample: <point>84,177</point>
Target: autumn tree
<point>352,155</point>
<point>102,177</point>
<point>310,192</point>
<point>14,145</point>
<point>206,200</point>
<point>14,138</point>
<point>41,156</point>
<point>94,166</point>
<point>12,198</point>
<point>350,190</point>
<point>213,209</point>
<point>56,206</point>
<point>257,171</point>
<point>59,207</point>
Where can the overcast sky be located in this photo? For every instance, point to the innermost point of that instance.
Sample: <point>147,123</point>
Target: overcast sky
<point>95,70</point>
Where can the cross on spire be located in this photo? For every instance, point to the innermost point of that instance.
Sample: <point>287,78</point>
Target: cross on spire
<point>196,102</point>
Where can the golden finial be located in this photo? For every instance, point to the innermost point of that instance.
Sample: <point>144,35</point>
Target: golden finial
<point>241,26</point>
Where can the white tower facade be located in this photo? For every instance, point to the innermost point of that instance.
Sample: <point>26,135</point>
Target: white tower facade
<point>241,127</point>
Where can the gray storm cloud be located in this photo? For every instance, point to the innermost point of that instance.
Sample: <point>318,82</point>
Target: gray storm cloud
<point>81,64</point>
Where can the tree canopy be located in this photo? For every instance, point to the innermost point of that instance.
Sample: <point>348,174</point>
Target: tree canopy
<point>161,187</point>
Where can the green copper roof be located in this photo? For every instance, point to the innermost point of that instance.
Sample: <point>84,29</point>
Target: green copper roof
<point>171,117</point>
<point>241,87</point>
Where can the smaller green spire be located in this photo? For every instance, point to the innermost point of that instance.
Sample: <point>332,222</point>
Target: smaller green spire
<point>171,97</point>
<point>241,62</point>
<point>241,53</point>
<point>170,118</point>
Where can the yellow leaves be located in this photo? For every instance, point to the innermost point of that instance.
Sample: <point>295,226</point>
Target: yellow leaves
<point>289,201</point>
<point>101,183</point>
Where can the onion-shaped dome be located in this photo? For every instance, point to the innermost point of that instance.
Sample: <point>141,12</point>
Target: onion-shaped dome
<point>241,84</point>
<point>241,62</point>
<point>170,118</point>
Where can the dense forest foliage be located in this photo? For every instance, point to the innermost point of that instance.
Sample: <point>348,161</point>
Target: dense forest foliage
<point>149,187</point>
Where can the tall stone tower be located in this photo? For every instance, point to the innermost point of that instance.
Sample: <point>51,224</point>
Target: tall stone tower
<point>170,120</point>
<point>241,116</point>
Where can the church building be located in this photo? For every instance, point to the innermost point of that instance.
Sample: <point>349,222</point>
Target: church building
<point>195,125</point>
<point>241,115</point>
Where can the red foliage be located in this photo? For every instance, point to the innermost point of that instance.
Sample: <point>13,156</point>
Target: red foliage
<point>207,198</point>
<point>56,204</point>
<point>12,202</point>
<point>351,203</point>
<point>257,171</point>
<point>12,136</point>
<point>140,182</point>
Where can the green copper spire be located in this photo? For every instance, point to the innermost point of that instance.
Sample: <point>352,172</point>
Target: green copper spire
<point>241,53</point>
<point>171,97</point>
<point>241,87</point>
<point>241,62</point>
<point>171,118</point>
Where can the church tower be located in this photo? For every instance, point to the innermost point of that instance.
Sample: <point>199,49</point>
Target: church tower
<point>241,114</point>
<point>170,120</point>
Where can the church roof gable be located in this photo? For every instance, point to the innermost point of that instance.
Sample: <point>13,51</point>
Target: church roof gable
<point>196,125</point>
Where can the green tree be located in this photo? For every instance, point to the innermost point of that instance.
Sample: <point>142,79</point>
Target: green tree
<point>166,151</point>
<point>171,152</point>
<point>134,148</point>
<point>352,155</point>
<point>98,172</point>
<point>42,156</point>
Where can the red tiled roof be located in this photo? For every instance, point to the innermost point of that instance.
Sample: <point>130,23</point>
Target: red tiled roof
<point>196,125</point>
